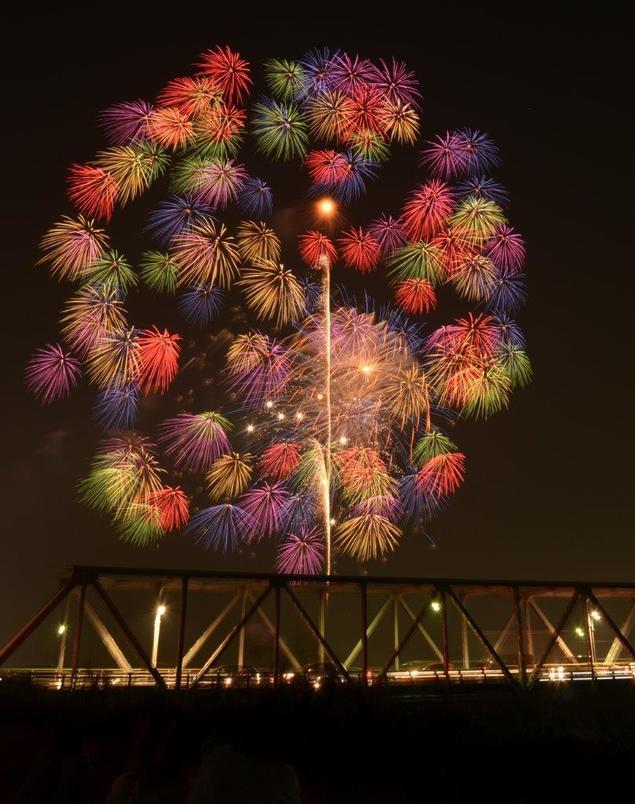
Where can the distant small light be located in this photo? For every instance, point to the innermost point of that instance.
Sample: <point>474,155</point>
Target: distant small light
<point>366,368</point>
<point>595,615</point>
<point>436,606</point>
<point>161,610</point>
<point>343,440</point>
<point>579,631</point>
<point>280,416</point>
<point>320,397</point>
<point>299,415</point>
<point>332,521</point>
<point>268,404</point>
<point>228,682</point>
<point>250,428</point>
<point>61,629</point>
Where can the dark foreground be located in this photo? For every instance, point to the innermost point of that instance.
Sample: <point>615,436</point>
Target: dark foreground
<point>564,743</point>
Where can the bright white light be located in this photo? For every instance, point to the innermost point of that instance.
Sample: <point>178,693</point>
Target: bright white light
<point>268,404</point>
<point>228,682</point>
<point>280,416</point>
<point>299,416</point>
<point>435,605</point>
<point>61,629</point>
<point>332,521</point>
<point>161,610</point>
<point>595,615</point>
<point>343,440</point>
<point>250,428</point>
<point>320,397</point>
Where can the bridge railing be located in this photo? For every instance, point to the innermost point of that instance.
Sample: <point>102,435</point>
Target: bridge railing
<point>195,628</point>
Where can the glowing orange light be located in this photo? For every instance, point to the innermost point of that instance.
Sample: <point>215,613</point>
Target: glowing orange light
<point>326,207</point>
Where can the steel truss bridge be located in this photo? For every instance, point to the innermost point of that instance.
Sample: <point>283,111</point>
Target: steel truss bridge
<point>194,629</point>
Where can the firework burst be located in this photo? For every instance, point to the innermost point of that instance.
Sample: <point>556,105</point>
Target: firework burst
<point>314,414</point>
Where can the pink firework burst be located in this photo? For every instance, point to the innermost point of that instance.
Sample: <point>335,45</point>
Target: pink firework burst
<point>446,156</point>
<point>220,183</point>
<point>302,553</point>
<point>266,506</point>
<point>195,440</point>
<point>126,121</point>
<point>396,82</point>
<point>158,359</point>
<point>388,232</point>
<point>359,249</point>
<point>506,249</point>
<point>228,70</point>
<point>259,371</point>
<point>427,210</point>
<point>351,73</point>
<point>51,373</point>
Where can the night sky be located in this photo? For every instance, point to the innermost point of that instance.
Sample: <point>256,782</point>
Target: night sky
<point>548,492</point>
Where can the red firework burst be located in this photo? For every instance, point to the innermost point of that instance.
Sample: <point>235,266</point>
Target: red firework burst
<point>454,250</point>
<point>415,296</point>
<point>360,250</point>
<point>368,105</point>
<point>173,505</point>
<point>92,190</point>
<point>158,359</point>
<point>170,127</point>
<point>228,70</point>
<point>279,461</point>
<point>191,95</point>
<point>442,475</point>
<point>316,247</point>
<point>326,166</point>
<point>428,210</point>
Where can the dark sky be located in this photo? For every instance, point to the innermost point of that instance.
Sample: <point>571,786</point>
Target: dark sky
<point>549,489</point>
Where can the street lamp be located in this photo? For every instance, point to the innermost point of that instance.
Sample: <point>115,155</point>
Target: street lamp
<point>161,610</point>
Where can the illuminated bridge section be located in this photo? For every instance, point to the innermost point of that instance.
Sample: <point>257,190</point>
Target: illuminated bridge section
<point>109,627</point>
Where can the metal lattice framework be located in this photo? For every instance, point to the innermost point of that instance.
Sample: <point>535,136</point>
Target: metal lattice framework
<point>344,629</point>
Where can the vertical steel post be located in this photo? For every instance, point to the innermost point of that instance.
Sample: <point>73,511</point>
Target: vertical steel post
<point>276,649</point>
<point>395,626</point>
<point>465,644</point>
<point>520,648</point>
<point>531,658</point>
<point>322,625</point>
<point>241,635</point>
<point>181,645</point>
<point>61,654</point>
<point>364,625</point>
<point>589,637</point>
<point>444,635</point>
<point>77,636</point>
